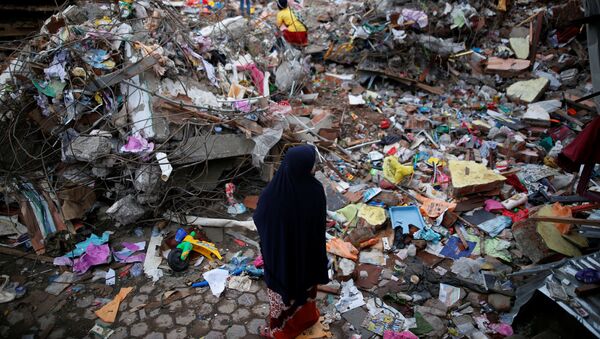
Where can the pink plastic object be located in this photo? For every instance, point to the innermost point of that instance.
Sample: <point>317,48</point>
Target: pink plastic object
<point>493,205</point>
<point>399,335</point>
<point>504,329</point>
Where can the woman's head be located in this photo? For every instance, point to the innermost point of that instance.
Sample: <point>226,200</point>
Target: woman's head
<point>281,4</point>
<point>300,160</point>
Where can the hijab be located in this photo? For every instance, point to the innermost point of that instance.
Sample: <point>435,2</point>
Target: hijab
<point>290,218</point>
<point>281,4</point>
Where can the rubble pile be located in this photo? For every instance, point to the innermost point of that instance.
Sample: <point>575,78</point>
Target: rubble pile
<point>450,138</point>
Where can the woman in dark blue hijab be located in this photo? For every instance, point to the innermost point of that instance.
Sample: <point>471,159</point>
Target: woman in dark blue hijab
<point>290,218</point>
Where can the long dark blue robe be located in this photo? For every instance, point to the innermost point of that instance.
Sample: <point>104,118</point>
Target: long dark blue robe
<point>290,218</point>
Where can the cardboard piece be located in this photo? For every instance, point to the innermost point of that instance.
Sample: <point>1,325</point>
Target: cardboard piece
<point>76,201</point>
<point>108,313</point>
<point>469,177</point>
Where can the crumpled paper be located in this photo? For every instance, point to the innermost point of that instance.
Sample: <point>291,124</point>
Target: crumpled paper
<point>216,280</point>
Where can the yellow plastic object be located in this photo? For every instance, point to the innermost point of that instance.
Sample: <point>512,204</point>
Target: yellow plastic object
<point>203,247</point>
<point>394,171</point>
<point>557,210</point>
<point>555,240</point>
<point>436,162</point>
<point>350,212</point>
<point>372,214</point>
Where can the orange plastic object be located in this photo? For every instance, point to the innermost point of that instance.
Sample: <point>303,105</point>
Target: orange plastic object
<point>557,210</point>
<point>343,249</point>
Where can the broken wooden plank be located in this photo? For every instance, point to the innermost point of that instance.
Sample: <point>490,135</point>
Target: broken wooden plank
<point>506,67</point>
<point>21,254</point>
<point>125,73</point>
<point>564,220</point>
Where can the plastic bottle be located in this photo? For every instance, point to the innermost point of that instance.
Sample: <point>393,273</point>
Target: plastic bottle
<point>412,250</point>
<point>514,201</point>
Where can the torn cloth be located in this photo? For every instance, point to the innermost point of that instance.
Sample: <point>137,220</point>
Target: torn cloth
<point>258,77</point>
<point>583,149</point>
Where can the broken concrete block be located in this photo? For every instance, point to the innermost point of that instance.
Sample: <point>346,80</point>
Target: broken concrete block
<point>436,304</point>
<point>474,298</point>
<point>429,310</point>
<point>539,113</point>
<point>569,77</point>
<point>126,210</point>
<point>439,45</point>
<point>506,67</point>
<point>501,303</point>
<point>527,91</point>
<point>520,46</point>
<point>552,77</point>
<point>90,147</point>
<point>470,177</point>
<point>464,324</point>
<point>439,326</point>
<point>214,146</point>
<point>146,178</point>
<point>147,198</point>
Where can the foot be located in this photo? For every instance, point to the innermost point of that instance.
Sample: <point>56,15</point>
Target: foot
<point>265,332</point>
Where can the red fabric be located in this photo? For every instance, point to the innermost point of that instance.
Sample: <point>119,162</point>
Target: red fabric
<point>296,38</point>
<point>518,216</point>
<point>289,321</point>
<point>514,181</point>
<point>302,320</point>
<point>257,75</point>
<point>583,149</point>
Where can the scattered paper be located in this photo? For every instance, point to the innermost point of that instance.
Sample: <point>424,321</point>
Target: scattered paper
<point>153,259</point>
<point>240,283</point>
<point>355,100</point>
<point>110,277</point>
<point>216,280</point>
<point>449,295</point>
<point>350,298</point>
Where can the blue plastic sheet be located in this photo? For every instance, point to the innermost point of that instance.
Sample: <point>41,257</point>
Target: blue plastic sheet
<point>453,249</point>
<point>93,239</point>
<point>429,235</point>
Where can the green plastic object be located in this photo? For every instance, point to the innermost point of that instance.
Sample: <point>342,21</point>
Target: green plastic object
<point>547,143</point>
<point>443,129</point>
<point>186,247</point>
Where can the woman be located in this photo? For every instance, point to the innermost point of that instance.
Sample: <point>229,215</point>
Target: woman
<point>290,218</point>
<point>294,31</point>
<point>248,5</point>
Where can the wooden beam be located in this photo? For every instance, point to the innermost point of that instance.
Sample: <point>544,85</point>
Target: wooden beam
<point>21,254</point>
<point>564,220</point>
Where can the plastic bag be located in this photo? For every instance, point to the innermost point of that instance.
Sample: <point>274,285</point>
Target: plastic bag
<point>394,171</point>
<point>557,210</point>
<point>372,214</point>
<point>467,267</point>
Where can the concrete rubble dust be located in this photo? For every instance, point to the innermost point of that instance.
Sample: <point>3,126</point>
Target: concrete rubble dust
<point>457,148</point>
